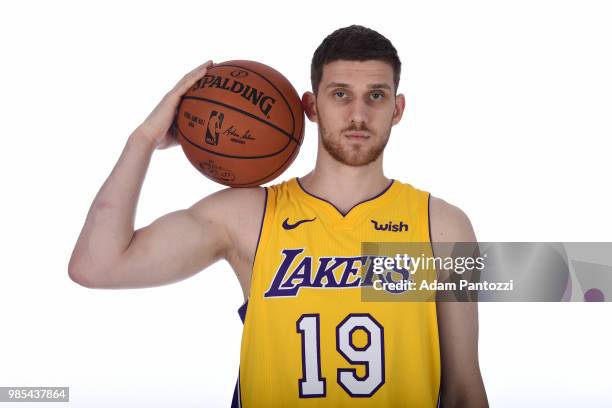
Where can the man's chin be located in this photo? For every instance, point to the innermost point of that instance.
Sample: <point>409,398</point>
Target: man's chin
<point>354,160</point>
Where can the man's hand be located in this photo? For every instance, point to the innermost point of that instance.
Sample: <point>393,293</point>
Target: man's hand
<point>157,127</point>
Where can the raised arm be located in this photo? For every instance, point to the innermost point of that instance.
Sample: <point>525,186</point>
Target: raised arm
<point>110,254</point>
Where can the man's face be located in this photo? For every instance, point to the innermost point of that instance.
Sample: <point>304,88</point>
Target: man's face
<point>355,108</point>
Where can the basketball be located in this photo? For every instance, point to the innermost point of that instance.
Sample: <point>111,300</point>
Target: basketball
<point>242,124</point>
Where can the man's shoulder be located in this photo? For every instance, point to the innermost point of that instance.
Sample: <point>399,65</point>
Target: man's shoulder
<point>240,195</point>
<point>448,222</point>
<point>245,200</point>
<point>230,205</point>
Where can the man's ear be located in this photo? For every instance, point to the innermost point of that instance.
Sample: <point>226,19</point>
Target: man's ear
<point>309,103</point>
<point>400,104</point>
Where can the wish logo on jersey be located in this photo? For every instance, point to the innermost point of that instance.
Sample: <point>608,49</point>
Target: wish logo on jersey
<point>322,272</point>
<point>390,226</point>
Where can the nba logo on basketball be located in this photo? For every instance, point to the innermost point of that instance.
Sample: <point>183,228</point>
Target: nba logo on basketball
<point>215,121</point>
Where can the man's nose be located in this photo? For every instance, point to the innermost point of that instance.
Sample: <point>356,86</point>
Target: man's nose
<point>358,112</point>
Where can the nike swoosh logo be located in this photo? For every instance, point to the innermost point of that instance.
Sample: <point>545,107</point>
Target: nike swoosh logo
<point>288,226</point>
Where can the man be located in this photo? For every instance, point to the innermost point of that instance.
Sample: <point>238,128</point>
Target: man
<point>308,338</point>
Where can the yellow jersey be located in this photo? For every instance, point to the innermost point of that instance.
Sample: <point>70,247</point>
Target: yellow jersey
<point>309,338</point>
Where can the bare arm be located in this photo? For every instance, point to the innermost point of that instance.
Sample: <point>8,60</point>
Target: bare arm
<point>461,383</point>
<point>110,254</point>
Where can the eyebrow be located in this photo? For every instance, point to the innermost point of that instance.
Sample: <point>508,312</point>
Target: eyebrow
<point>379,86</point>
<point>370,86</point>
<point>337,85</point>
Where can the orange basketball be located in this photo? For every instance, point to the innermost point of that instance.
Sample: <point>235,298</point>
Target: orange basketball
<point>242,124</point>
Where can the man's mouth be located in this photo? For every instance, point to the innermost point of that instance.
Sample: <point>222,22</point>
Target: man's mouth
<point>357,135</point>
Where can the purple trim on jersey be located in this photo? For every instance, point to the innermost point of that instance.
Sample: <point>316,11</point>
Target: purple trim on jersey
<point>237,398</point>
<point>330,203</point>
<point>429,218</point>
<point>242,311</point>
<point>235,395</point>
<point>263,217</point>
<point>432,252</point>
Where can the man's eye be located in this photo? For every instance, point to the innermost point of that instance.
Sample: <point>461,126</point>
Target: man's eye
<point>340,94</point>
<point>376,95</point>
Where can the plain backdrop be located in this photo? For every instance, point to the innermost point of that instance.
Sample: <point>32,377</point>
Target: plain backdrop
<point>508,117</point>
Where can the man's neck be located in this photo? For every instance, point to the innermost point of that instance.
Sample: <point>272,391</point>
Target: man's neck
<point>345,186</point>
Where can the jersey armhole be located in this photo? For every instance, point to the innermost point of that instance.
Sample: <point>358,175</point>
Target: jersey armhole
<point>428,212</point>
<point>429,236</point>
<point>242,310</point>
<point>267,218</point>
<point>261,226</point>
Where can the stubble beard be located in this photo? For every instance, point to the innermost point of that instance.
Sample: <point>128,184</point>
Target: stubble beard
<point>355,155</point>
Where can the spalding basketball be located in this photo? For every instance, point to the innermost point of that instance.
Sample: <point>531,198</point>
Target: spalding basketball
<point>242,124</point>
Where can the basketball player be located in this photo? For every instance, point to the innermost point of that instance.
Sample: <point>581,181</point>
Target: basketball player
<point>308,338</point>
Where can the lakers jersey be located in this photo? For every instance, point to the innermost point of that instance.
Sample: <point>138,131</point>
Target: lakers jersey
<point>310,339</point>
